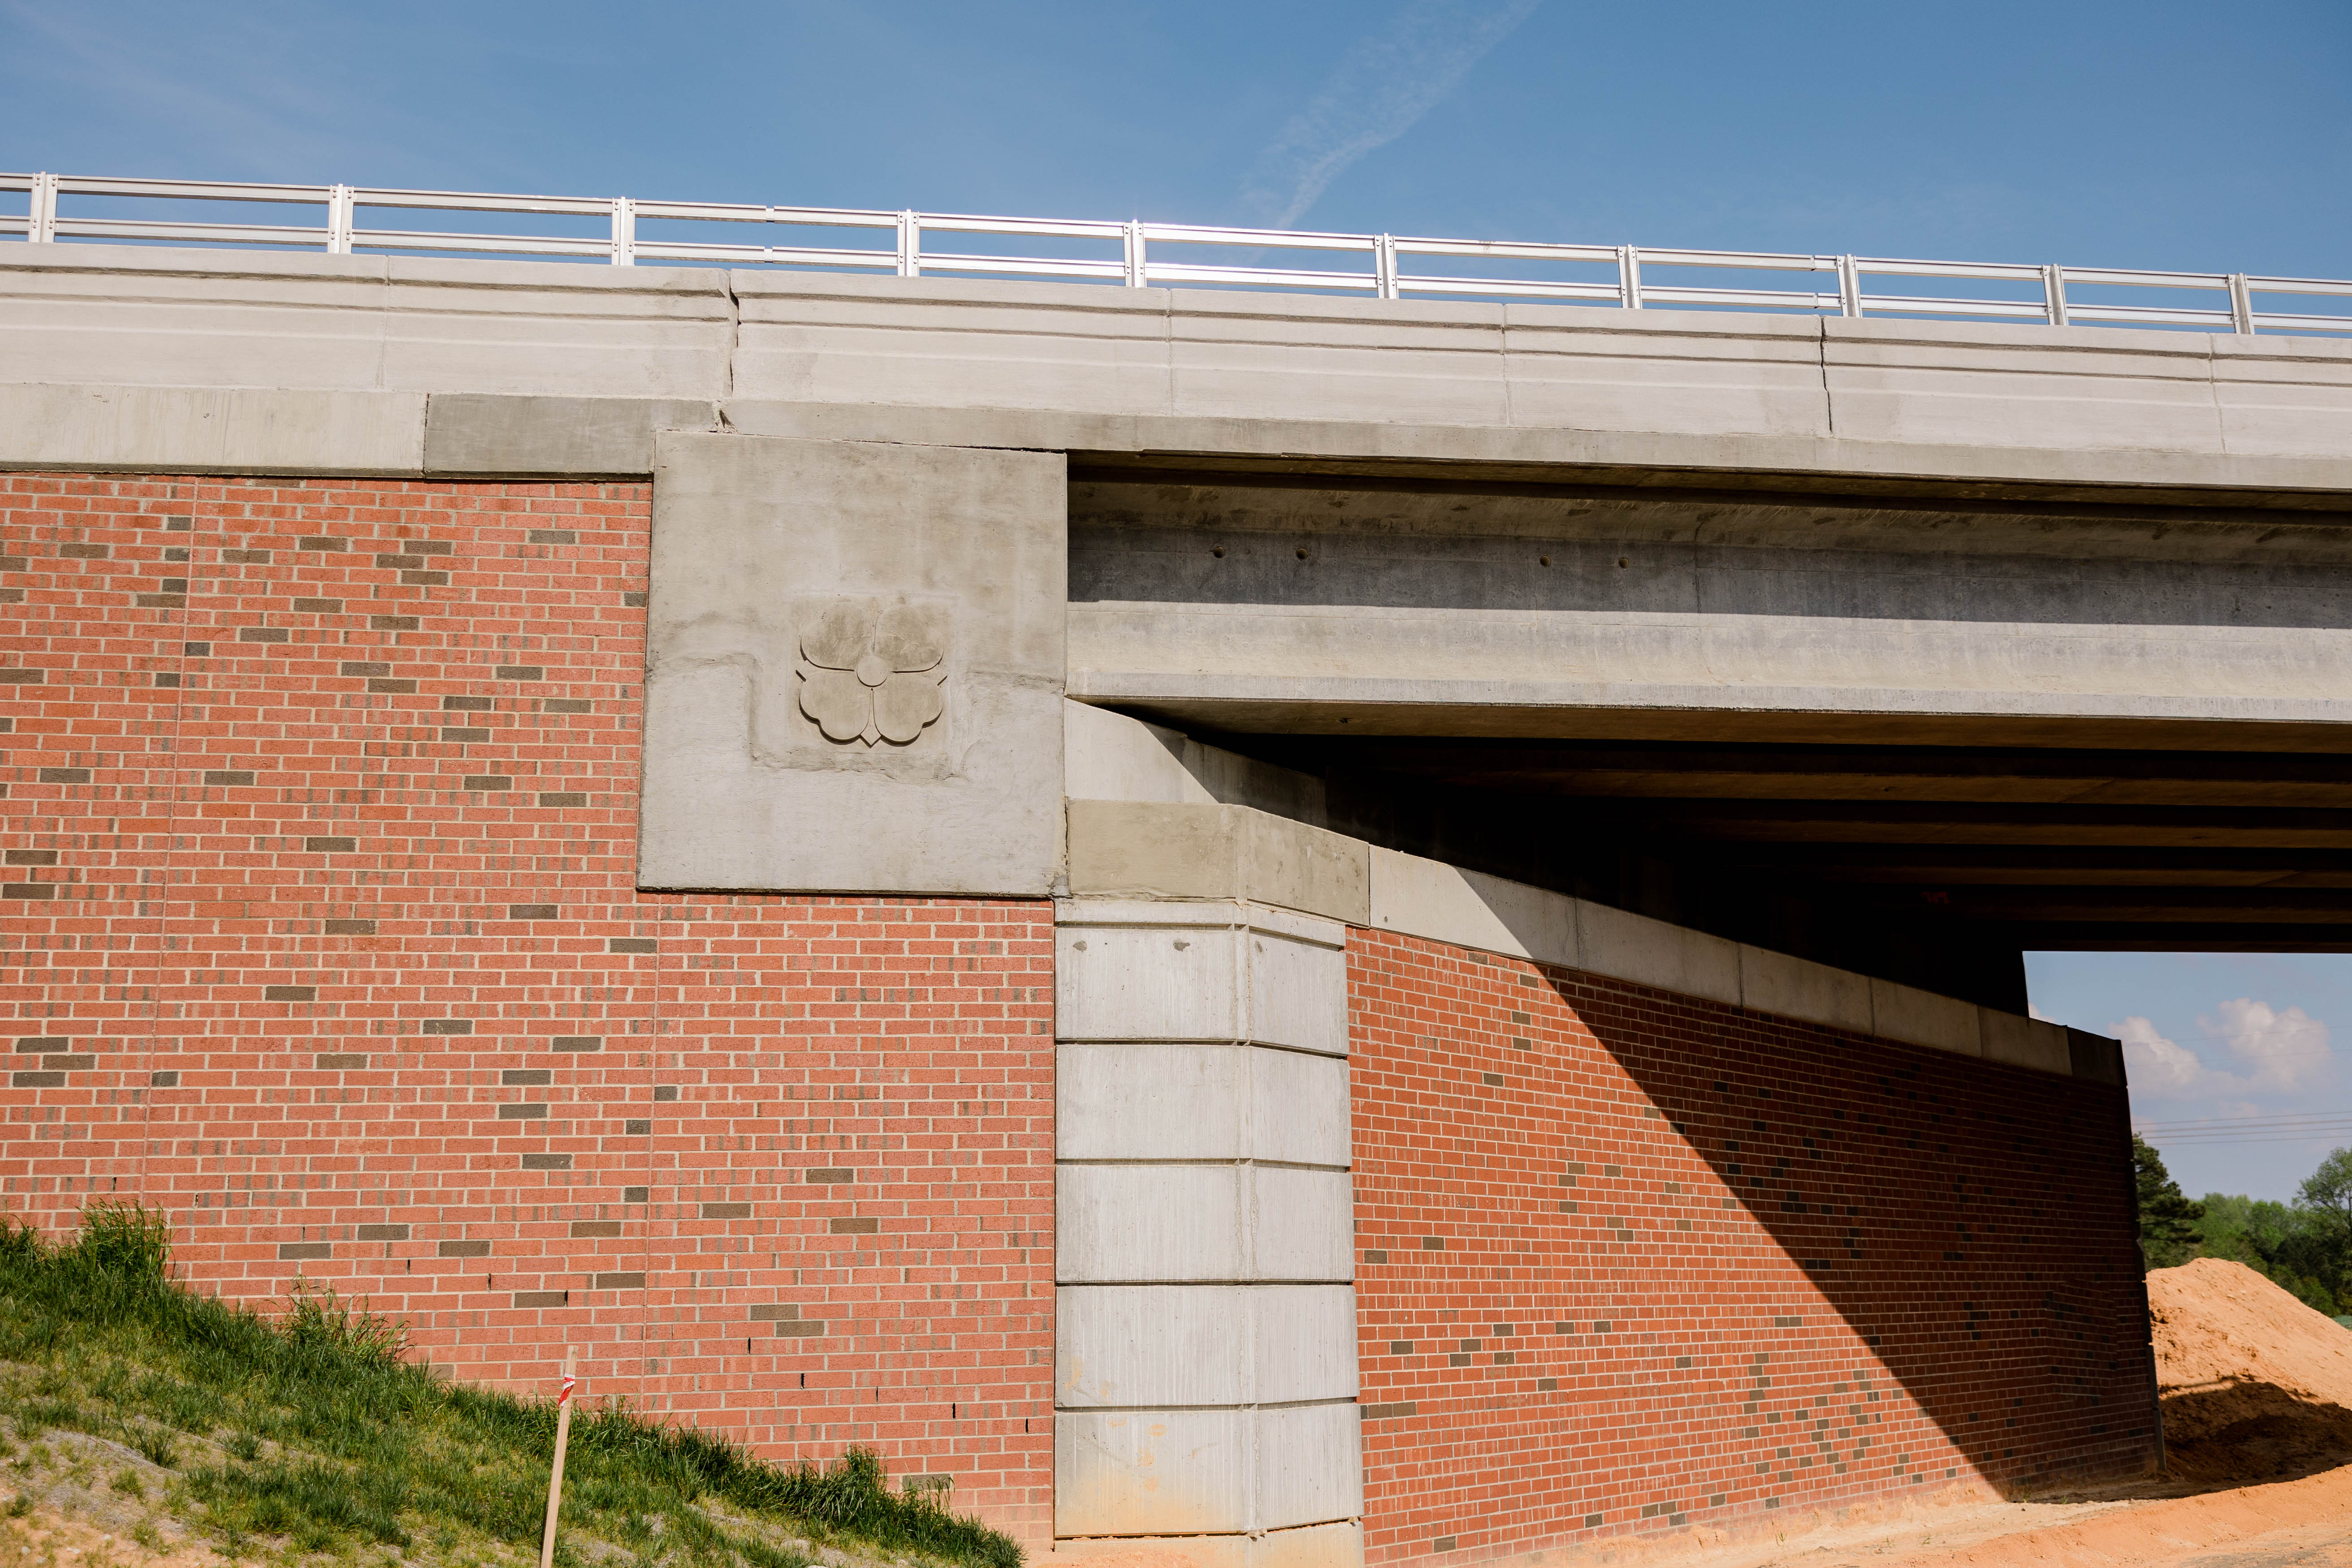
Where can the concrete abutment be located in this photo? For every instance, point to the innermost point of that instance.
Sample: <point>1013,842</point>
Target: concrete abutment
<point>1047,884</point>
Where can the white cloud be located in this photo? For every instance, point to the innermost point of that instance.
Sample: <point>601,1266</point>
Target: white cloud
<point>1380,87</point>
<point>2155,1065</point>
<point>2273,1051</point>
<point>2277,1050</point>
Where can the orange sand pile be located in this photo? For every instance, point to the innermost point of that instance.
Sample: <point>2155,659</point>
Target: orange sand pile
<point>2288,1524</point>
<point>2256,1384</point>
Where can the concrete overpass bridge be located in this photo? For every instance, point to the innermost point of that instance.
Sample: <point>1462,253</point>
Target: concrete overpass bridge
<point>1292,869</point>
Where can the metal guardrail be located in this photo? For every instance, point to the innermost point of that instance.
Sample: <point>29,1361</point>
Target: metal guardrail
<point>1381,274</point>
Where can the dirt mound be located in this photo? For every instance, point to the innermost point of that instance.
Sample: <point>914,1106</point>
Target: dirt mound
<point>2256,1386</point>
<point>2292,1524</point>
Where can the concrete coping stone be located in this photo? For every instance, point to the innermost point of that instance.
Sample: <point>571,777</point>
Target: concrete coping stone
<point>1628,946</point>
<point>1414,896</point>
<point>1210,850</point>
<point>2096,1056</point>
<point>2024,1042</point>
<point>1200,913</point>
<point>1923,1018</point>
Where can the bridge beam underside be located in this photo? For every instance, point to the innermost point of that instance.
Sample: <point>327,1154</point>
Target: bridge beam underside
<point>1994,723</point>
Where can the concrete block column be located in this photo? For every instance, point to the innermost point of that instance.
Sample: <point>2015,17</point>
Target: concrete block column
<point>1205,1351</point>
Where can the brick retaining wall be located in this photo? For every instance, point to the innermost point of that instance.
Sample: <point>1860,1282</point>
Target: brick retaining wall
<point>1627,1258</point>
<point>321,936</point>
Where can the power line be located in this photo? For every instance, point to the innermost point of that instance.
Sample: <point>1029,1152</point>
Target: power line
<point>2316,1130</point>
<point>2251,1124</point>
<point>2296,1115</point>
<point>2210,1132</point>
<point>2251,1131</point>
<point>2344,1135</point>
<point>2321,1128</point>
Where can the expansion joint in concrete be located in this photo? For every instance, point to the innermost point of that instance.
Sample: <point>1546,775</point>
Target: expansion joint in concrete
<point>1262,1164</point>
<point>1246,1404</point>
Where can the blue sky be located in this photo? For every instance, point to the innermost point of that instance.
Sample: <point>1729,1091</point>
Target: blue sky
<point>2152,134</point>
<point>2219,1037</point>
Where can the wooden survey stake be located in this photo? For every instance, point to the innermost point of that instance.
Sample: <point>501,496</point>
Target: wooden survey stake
<point>555,1476</point>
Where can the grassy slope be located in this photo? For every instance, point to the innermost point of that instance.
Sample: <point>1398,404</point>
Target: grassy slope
<point>309,1434</point>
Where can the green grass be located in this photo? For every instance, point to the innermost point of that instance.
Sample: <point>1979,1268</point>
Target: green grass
<point>311,1432</point>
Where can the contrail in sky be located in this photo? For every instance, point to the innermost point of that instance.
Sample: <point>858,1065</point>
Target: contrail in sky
<point>1387,82</point>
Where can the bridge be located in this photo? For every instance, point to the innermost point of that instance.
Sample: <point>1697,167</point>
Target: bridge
<point>1501,797</point>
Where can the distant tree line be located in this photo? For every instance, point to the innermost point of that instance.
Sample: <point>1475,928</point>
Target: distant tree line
<point>2304,1247</point>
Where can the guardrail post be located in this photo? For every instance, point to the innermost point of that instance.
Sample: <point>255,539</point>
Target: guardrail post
<point>42,226</point>
<point>624,232</point>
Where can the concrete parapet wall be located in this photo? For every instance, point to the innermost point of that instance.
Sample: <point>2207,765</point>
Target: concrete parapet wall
<point>139,316</point>
<point>1074,368</point>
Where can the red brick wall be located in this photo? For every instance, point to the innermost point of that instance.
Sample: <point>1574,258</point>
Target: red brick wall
<point>321,803</point>
<point>1627,1258</point>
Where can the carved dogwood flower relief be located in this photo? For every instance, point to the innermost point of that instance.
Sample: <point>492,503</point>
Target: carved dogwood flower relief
<point>872,672</point>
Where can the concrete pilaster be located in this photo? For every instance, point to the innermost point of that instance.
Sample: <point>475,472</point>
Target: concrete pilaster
<point>1205,1355</point>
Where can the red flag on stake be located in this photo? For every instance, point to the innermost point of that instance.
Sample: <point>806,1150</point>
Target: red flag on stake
<point>555,1476</point>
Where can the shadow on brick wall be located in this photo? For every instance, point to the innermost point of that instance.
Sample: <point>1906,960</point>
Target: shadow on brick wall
<point>1967,1225</point>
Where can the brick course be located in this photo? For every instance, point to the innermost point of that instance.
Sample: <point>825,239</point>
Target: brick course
<point>1629,1259</point>
<point>321,936</point>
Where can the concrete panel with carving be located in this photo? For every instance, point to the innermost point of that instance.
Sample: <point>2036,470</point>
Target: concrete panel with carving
<point>852,667</point>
